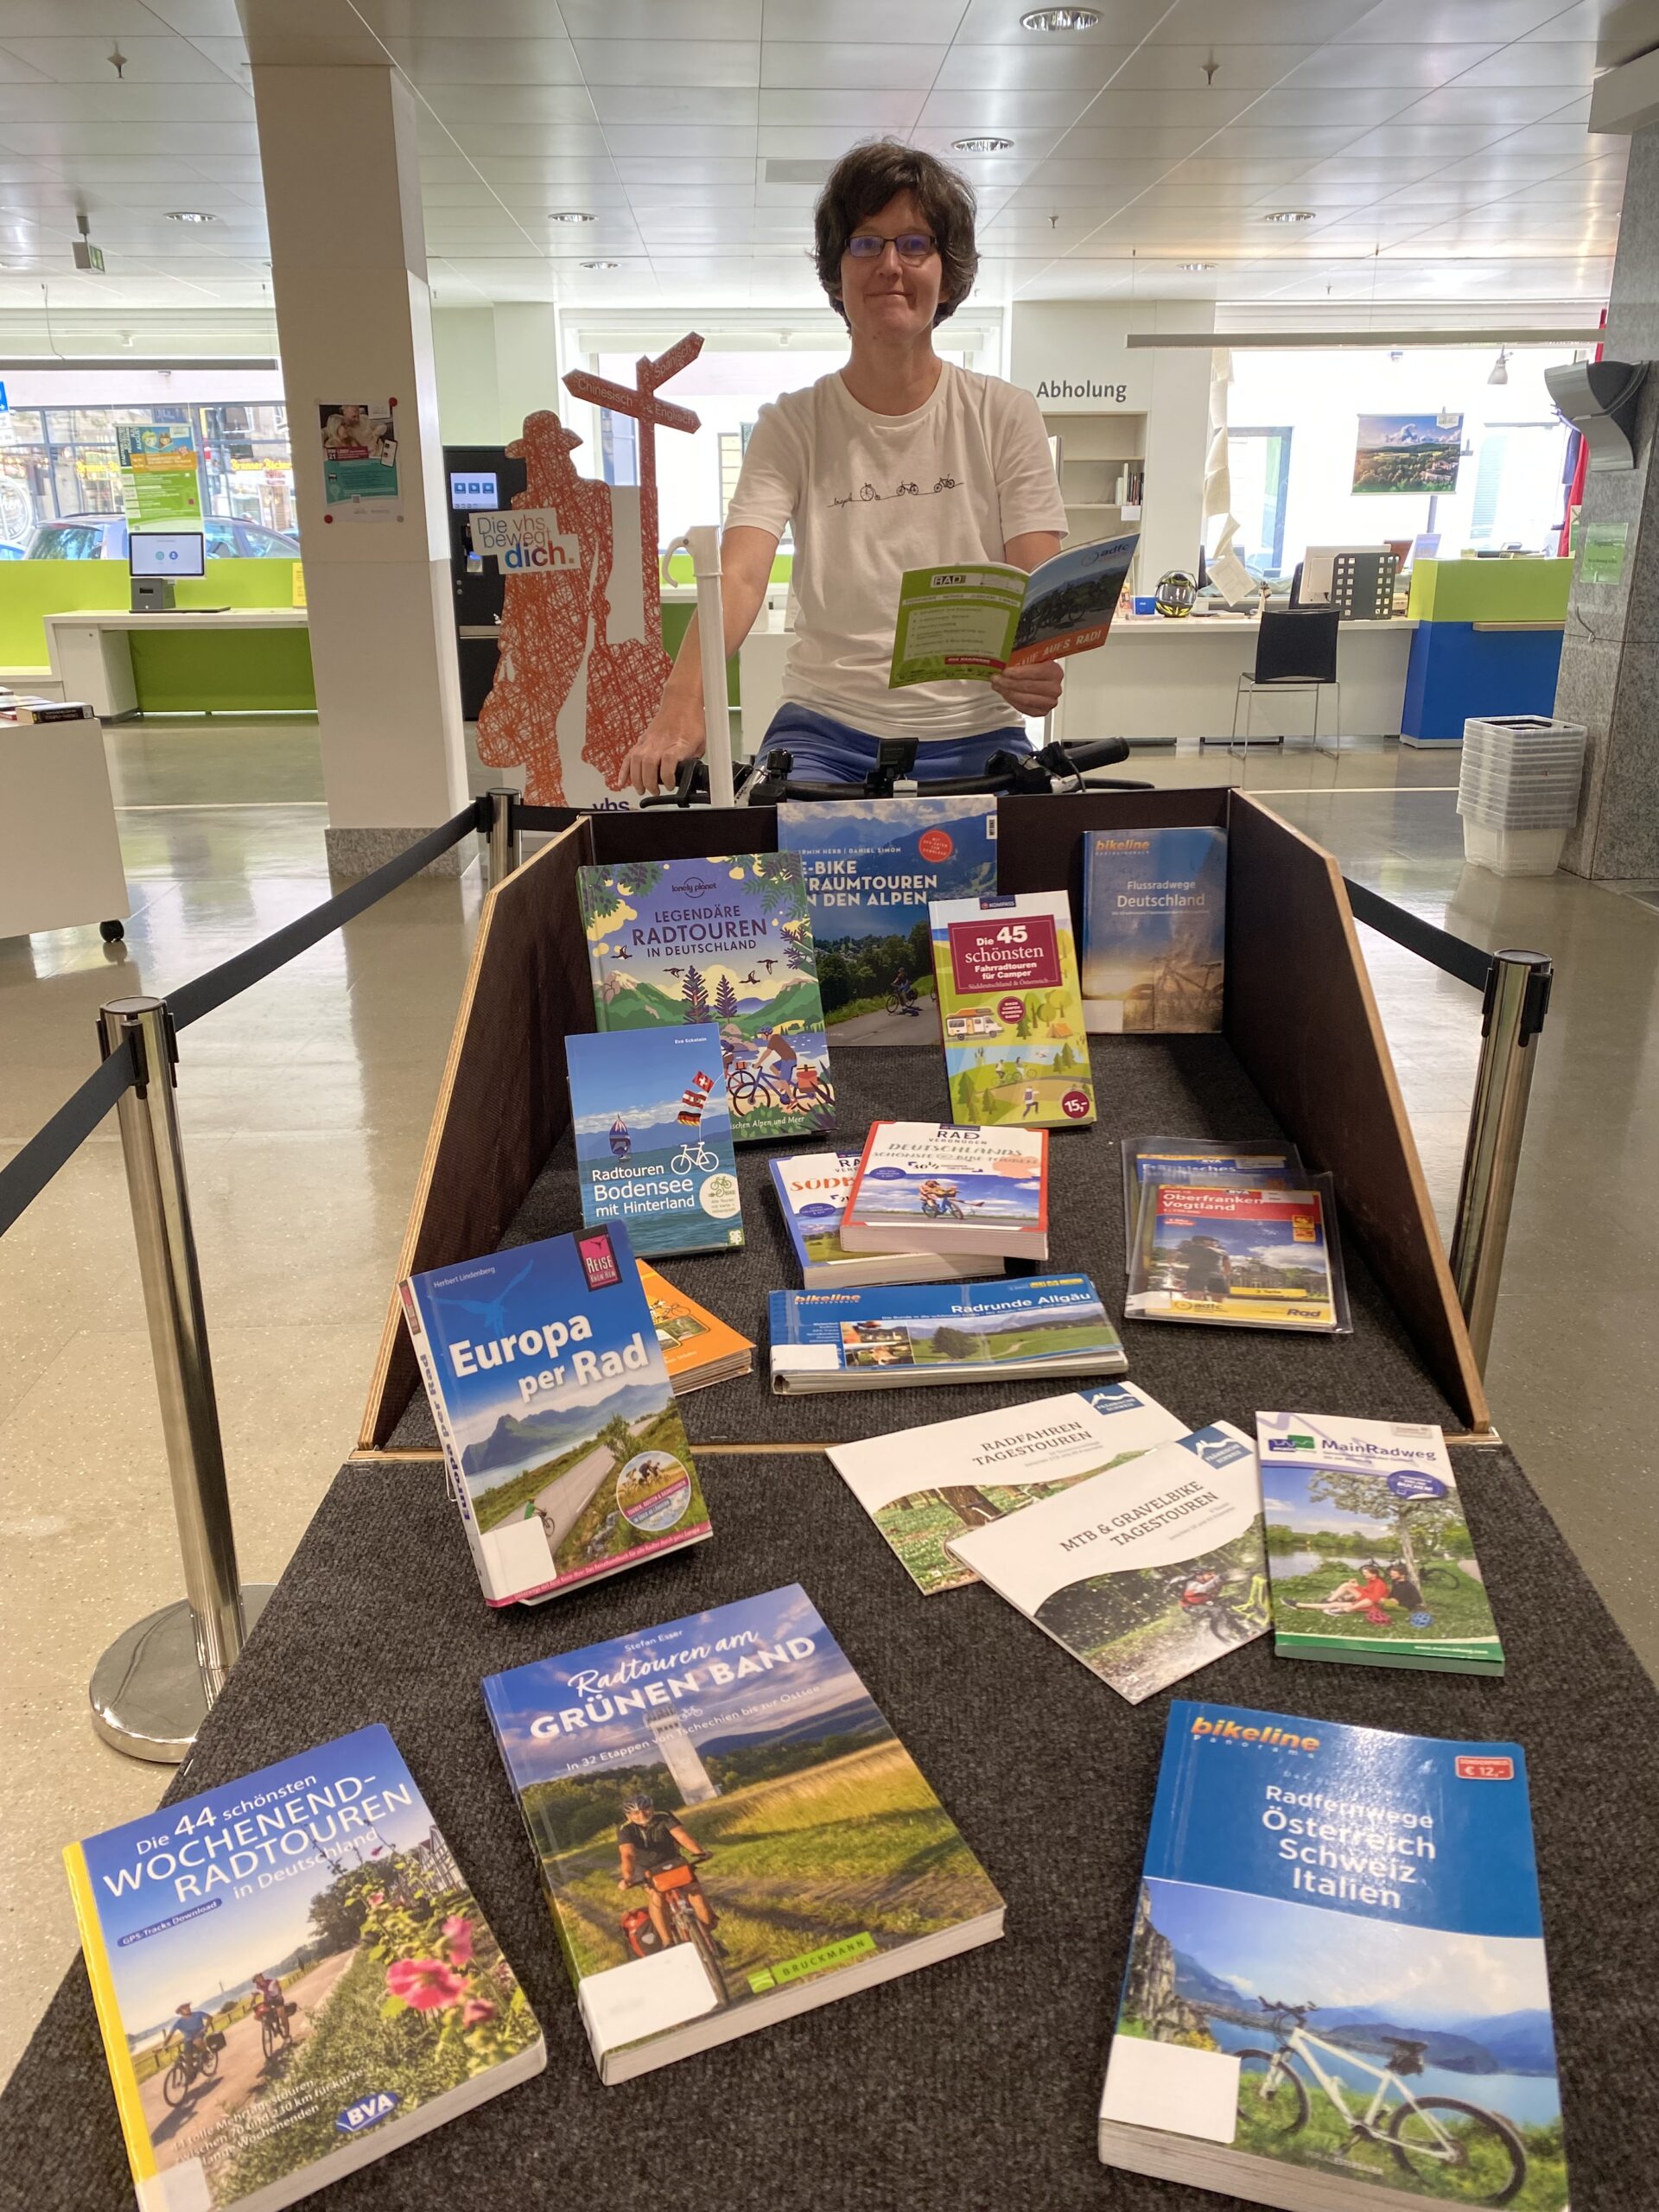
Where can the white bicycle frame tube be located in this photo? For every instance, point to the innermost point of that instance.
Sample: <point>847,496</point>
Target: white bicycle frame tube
<point>702,544</point>
<point>1302,2045</point>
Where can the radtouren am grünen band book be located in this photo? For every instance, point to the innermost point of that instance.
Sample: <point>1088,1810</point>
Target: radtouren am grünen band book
<point>292,1980</point>
<point>727,1828</point>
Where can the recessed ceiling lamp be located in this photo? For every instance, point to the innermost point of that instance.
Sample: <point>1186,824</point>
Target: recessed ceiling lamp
<point>1194,267</point>
<point>190,215</point>
<point>1290,216</point>
<point>1500,367</point>
<point>570,215</point>
<point>981,145</point>
<point>1059,19</point>
<point>599,264</point>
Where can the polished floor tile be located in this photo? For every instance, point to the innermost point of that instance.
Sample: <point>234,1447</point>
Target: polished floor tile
<point>305,1105</point>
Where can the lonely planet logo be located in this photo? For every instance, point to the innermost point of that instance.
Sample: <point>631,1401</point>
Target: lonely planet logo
<point>693,887</point>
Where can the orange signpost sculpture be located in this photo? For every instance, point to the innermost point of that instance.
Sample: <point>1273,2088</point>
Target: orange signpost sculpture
<point>556,625</point>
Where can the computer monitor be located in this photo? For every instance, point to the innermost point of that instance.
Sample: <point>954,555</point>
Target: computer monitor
<point>471,488</point>
<point>167,553</point>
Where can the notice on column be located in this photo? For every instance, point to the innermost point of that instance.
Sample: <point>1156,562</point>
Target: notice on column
<point>360,460</point>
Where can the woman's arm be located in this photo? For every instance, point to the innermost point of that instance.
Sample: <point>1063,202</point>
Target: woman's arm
<point>1034,688</point>
<point>675,732</point>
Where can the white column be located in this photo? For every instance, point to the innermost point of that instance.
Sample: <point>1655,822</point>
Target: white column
<point>354,323</point>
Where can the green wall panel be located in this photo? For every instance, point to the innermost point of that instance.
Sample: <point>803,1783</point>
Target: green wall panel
<point>1490,591</point>
<point>230,672</point>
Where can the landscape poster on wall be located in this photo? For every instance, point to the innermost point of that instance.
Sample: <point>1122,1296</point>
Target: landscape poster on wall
<point>1408,453</point>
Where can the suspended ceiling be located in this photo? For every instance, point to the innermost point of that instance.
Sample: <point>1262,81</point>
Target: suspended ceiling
<point>1440,146</point>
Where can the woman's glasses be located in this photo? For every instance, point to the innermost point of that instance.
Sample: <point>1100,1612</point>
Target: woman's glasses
<point>913,247</point>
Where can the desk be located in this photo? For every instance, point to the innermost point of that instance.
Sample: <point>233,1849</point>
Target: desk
<point>1155,677</point>
<point>91,650</point>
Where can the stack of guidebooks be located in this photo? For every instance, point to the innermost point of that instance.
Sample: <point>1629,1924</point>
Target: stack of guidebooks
<point>1336,1993</point>
<point>933,1187</point>
<point>1253,1256</point>
<point>812,1189</point>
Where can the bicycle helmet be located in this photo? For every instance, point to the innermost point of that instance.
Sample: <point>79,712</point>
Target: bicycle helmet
<point>637,1802</point>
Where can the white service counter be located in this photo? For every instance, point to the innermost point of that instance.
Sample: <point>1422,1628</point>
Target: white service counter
<point>90,649</point>
<point>1154,678</point>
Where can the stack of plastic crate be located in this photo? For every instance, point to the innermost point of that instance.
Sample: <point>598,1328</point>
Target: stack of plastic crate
<point>1518,791</point>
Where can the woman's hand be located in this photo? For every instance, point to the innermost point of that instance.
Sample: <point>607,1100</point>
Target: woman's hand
<point>668,738</point>
<point>1032,688</point>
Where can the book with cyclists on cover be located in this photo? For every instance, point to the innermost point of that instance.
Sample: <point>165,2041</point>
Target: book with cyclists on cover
<point>1145,1574</point>
<point>292,1979</point>
<point>1009,1002</point>
<point>942,1187</point>
<point>812,1189</point>
<point>1267,1164</point>
<point>872,866</point>
<point>1243,1257</point>
<point>984,1465</point>
<point>893,1337</point>
<point>1154,928</point>
<point>968,623</point>
<point>1368,1547</point>
<point>728,1831</point>
<point>566,1453</point>
<point>1336,1998</point>
<point>672,945</point>
<point>654,1137</point>
<point>698,1348</point>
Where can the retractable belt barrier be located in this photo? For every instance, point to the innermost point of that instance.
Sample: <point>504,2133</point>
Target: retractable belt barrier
<point>151,1690</point>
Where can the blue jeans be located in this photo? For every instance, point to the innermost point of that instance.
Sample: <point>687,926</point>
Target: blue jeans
<point>828,752</point>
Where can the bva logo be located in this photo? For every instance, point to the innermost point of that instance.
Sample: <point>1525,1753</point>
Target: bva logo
<point>365,2112</point>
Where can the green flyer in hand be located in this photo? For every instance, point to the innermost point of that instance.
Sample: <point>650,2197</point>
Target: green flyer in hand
<point>966,623</point>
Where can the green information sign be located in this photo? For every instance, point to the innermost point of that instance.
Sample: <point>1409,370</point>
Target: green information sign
<point>1604,552</point>
<point>160,482</point>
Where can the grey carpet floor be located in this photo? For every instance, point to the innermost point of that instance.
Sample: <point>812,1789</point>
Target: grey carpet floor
<point>972,2084</point>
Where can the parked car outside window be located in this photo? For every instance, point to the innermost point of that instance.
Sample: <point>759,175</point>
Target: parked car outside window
<point>104,538</point>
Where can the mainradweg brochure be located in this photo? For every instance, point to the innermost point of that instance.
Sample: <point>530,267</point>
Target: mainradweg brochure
<point>728,1831</point>
<point>1254,1259</point>
<point>1335,1996</point>
<point>812,1189</point>
<point>872,868</point>
<point>1367,1546</point>
<point>676,943</point>
<point>1145,1574</point>
<point>1155,930</point>
<point>973,1332</point>
<point>292,1979</point>
<point>565,1449</point>
<point>654,1138</point>
<point>984,1465</point>
<point>968,623</point>
<point>1014,1044</point>
<point>945,1186</point>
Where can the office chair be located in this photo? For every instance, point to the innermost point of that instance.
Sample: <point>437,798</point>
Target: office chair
<point>1294,652</point>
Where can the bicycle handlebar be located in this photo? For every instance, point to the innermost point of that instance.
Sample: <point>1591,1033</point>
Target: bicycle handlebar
<point>768,780</point>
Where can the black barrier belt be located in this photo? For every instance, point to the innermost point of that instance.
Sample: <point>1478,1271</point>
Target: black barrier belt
<point>1454,954</point>
<point>23,1178</point>
<point>545,817</point>
<point>207,993</point>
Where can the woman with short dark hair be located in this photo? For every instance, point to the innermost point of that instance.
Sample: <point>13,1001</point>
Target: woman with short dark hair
<point>898,460</point>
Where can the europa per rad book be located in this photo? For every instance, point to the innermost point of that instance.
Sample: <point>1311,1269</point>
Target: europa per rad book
<point>1335,1996</point>
<point>900,1335</point>
<point>728,939</point>
<point>986,1464</point>
<point>566,1451</point>
<point>872,868</point>
<point>1012,1011</point>
<point>812,1189</point>
<point>654,1137</point>
<point>1368,1545</point>
<point>292,1979</point>
<point>1146,1574</point>
<point>1155,930</point>
<point>728,1830</point>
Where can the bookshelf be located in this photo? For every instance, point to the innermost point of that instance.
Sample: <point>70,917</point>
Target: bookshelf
<point>1101,462</point>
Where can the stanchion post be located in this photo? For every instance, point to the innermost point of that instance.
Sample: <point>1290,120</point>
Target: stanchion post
<point>1517,997</point>
<point>504,834</point>
<point>155,1684</point>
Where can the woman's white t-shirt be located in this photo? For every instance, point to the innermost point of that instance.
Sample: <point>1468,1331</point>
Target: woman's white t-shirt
<point>872,495</point>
